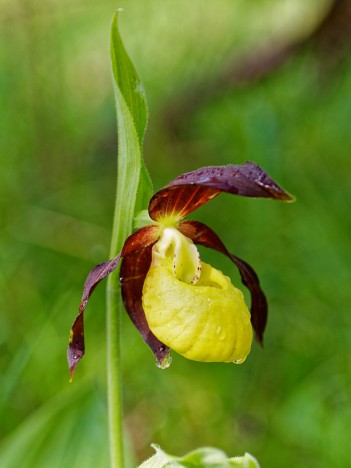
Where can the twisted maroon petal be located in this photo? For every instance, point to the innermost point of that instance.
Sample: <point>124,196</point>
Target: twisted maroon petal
<point>203,235</point>
<point>143,237</point>
<point>189,191</point>
<point>133,271</point>
<point>76,347</point>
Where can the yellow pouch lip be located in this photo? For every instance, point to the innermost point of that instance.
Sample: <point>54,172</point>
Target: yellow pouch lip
<point>202,322</point>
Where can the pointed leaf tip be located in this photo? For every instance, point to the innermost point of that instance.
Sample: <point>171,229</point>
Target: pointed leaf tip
<point>128,83</point>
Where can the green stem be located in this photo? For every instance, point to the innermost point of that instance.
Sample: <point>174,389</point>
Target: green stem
<point>114,349</point>
<point>114,373</point>
<point>134,189</point>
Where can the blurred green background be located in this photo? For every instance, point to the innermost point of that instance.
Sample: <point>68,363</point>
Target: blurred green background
<point>288,404</point>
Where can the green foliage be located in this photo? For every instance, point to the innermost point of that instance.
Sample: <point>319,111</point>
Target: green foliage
<point>127,82</point>
<point>134,187</point>
<point>58,434</point>
<point>205,457</point>
<point>133,191</point>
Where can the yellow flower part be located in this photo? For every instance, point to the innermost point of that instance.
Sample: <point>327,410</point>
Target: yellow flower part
<point>207,321</point>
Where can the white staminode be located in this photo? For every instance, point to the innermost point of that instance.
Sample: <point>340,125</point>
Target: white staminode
<point>183,253</point>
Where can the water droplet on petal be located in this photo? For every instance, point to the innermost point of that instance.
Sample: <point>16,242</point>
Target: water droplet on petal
<point>165,363</point>
<point>239,361</point>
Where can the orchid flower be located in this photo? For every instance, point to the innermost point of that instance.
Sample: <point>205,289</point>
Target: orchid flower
<point>175,300</point>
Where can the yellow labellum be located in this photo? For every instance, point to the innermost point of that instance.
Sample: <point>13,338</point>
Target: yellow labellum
<point>206,322</point>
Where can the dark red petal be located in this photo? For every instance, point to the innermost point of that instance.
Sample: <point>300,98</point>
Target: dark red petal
<point>191,190</point>
<point>203,235</point>
<point>75,350</point>
<point>133,271</point>
<point>143,237</point>
<point>180,200</point>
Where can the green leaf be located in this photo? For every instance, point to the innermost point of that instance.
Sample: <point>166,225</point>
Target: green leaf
<point>205,457</point>
<point>127,81</point>
<point>247,461</point>
<point>134,187</point>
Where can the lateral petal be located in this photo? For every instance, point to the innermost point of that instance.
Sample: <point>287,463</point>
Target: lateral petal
<point>133,271</point>
<point>189,191</point>
<point>76,347</point>
<point>143,237</point>
<point>201,234</point>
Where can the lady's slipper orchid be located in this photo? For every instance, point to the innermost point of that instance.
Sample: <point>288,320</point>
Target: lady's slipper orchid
<point>173,298</point>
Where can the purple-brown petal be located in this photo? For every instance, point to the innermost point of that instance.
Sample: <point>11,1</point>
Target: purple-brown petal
<point>203,235</point>
<point>75,350</point>
<point>133,271</point>
<point>189,191</point>
<point>180,200</point>
<point>143,237</point>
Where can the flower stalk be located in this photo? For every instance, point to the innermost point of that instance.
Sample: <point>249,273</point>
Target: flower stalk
<point>114,373</point>
<point>133,184</point>
<point>114,308</point>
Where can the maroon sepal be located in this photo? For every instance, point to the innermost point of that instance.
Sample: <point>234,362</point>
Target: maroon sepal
<point>180,200</point>
<point>203,235</point>
<point>134,268</point>
<point>75,350</point>
<point>189,191</point>
<point>141,238</point>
